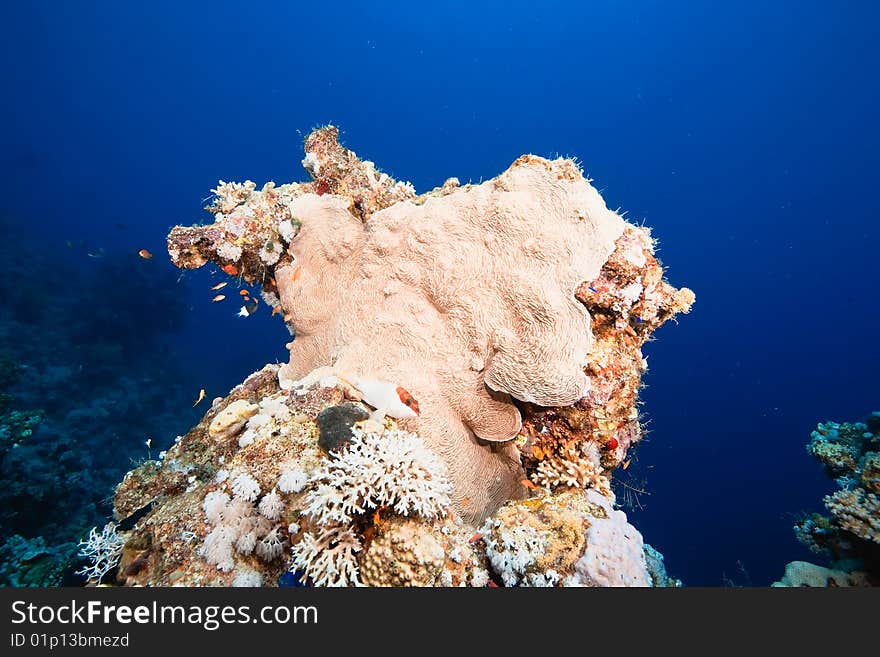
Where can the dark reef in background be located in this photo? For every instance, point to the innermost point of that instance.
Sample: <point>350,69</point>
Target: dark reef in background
<point>849,536</point>
<point>85,381</point>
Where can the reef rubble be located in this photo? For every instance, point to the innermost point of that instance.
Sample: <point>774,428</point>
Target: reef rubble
<point>463,381</point>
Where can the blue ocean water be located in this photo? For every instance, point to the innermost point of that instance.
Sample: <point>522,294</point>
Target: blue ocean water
<point>744,134</point>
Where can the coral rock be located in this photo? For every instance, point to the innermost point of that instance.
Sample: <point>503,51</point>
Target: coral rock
<point>408,553</point>
<point>231,419</point>
<point>615,551</point>
<point>806,574</point>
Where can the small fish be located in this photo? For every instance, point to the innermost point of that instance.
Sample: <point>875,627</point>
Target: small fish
<point>390,398</point>
<point>219,297</point>
<point>408,400</point>
<point>148,442</point>
<point>95,255</point>
<point>626,463</point>
<point>592,289</point>
<point>528,483</point>
<point>476,537</point>
<point>232,270</point>
<point>243,293</point>
<point>275,311</point>
<point>287,317</point>
<point>248,309</point>
<point>146,255</point>
<point>219,285</point>
<point>201,397</point>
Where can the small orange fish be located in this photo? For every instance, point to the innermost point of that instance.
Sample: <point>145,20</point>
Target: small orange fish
<point>528,483</point>
<point>243,293</point>
<point>232,270</point>
<point>143,253</point>
<point>219,285</point>
<point>626,464</point>
<point>219,297</point>
<point>288,317</point>
<point>201,397</point>
<point>407,399</point>
<point>275,311</point>
<point>476,537</point>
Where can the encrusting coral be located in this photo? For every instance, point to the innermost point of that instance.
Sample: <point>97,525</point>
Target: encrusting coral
<point>467,356</point>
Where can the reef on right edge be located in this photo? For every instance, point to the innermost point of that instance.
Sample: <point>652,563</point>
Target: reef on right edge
<point>849,536</point>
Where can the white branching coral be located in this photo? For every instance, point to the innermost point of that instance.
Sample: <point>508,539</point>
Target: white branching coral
<point>394,470</point>
<point>293,478</point>
<point>217,548</point>
<point>102,550</point>
<point>230,194</point>
<point>270,546</point>
<point>239,525</point>
<point>480,578</point>
<point>329,556</point>
<point>577,466</point>
<point>245,487</point>
<point>271,505</point>
<point>214,505</point>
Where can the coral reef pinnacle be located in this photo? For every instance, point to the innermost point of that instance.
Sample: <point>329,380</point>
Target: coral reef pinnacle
<point>495,333</point>
<point>478,299</point>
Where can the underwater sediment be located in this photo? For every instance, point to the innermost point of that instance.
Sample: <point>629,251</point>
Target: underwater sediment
<point>463,381</point>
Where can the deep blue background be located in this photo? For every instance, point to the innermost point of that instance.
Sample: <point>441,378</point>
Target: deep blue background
<point>744,133</point>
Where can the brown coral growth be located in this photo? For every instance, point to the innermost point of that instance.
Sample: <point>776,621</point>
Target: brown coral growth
<point>627,302</point>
